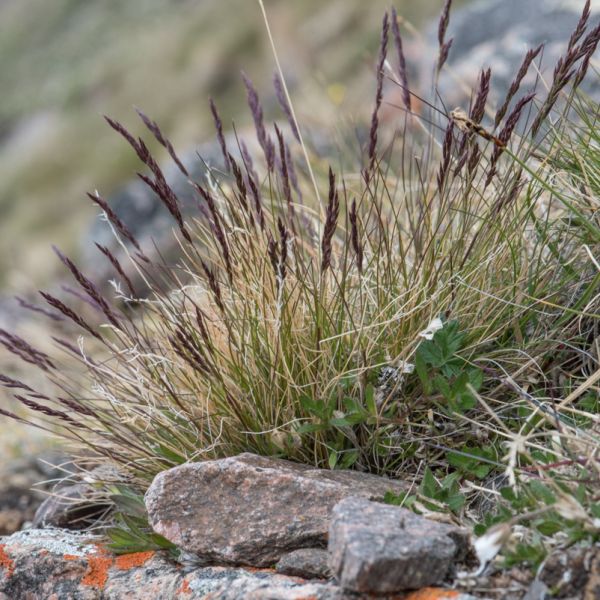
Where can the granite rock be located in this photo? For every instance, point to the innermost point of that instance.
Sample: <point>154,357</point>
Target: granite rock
<point>378,548</point>
<point>62,564</point>
<point>250,509</point>
<point>310,563</point>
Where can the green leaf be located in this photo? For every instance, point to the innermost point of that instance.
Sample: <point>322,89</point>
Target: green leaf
<point>476,378</point>
<point>348,459</point>
<point>310,406</point>
<point>482,471</point>
<point>548,527</point>
<point>456,502</point>
<point>311,427</point>
<point>370,399</point>
<point>341,421</point>
<point>429,486</point>
<point>542,492</point>
<point>430,354</point>
<point>441,384</point>
<point>128,505</point>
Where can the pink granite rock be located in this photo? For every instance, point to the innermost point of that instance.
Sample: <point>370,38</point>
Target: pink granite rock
<point>383,549</point>
<point>250,509</point>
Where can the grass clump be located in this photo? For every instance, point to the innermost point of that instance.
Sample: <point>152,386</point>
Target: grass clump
<point>426,311</point>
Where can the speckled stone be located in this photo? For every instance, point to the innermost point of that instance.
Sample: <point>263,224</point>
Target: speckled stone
<point>250,509</point>
<point>60,565</point>
<point>497,34</point>
<point>384,549</point>
<point>310,563</point>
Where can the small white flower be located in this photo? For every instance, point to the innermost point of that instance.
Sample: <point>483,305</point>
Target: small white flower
<point>488,545</point>
<point>434,326</point>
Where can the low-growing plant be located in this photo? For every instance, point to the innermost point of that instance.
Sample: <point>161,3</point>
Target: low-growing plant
<point>429,311</point>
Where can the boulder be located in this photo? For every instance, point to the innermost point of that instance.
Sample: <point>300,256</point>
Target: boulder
<point>383,549</point>
<point>250,509</point>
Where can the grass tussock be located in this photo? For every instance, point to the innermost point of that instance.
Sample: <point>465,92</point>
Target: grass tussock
<point>427,311</point>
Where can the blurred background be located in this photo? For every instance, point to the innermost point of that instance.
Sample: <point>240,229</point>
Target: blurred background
<point>65,63</point>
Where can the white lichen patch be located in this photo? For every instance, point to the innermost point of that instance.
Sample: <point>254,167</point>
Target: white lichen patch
<point>54,541</point>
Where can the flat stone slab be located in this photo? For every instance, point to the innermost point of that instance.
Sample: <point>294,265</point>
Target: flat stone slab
<point>250,509</point>
<point>385,549</point>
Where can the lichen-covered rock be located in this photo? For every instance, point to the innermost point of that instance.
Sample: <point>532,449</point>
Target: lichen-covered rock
<point>383,549</point>
<point>65,565</point>
<point>250,509</point>
<point>310,563</point>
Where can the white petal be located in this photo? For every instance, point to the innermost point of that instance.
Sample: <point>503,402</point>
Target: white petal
<point>490,543</point>
<point>434,326</point>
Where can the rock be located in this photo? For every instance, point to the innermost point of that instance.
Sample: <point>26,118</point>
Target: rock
<point>310,563</point>
<point>70,507</point>
<point>63,564</point>
<point>381,549</point>
<point>496,34</point>
<point>22,486</point>
<point>75,503</point>
<point>250,509</point>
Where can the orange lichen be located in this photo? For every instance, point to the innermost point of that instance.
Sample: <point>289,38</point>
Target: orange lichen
<point>97,571</point>
<point>135,559</point>
<point>70,557</point>
<point>433,594</point>
<point>102,561</point>
<point>6,562</point>
<point>184,588</point>
<point>102,550</point>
